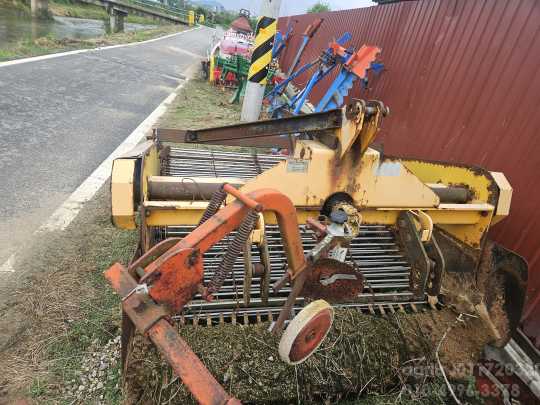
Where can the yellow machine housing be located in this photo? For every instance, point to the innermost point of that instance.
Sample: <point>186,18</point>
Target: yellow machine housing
<point>451,206</point>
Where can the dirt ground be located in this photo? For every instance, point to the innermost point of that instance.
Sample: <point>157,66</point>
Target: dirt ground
<point>59,323</point>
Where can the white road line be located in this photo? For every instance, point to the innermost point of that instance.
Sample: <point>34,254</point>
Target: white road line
<point>7,267</point>
<point>59,54</point>
<point>180,50</point>
<point>71,207</point>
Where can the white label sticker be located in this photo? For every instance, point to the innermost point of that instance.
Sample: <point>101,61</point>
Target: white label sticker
<point>297,165</point>
<point>338,253</point>
<point>388,169</point>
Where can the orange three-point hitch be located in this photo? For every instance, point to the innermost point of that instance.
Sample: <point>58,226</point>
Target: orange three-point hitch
<point>173,274</point>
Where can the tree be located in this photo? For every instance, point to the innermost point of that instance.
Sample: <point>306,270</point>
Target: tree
<point>319,7</point>
<point>200,10</point>
<point>253,23</point>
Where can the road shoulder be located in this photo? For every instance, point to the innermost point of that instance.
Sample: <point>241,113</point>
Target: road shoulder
<point>60,323</point>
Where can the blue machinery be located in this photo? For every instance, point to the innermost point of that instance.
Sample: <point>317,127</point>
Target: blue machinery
<point>352,66</point>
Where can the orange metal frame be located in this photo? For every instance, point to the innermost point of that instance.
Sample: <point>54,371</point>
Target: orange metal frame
<point>173,274</point>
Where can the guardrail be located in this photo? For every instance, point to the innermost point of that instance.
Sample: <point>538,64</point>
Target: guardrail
<point>173,11</point>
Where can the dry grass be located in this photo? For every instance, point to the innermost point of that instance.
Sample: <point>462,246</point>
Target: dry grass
<point>364,358</point>
<point>61,304</point>
<point>201,105</point>
<point>64,305</point>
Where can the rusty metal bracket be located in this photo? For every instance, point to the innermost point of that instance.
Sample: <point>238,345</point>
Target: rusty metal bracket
<point>258,133</point>
<point>435,277</point>
<point>140,308</point>
<point>148,317</point>
<point>415,252</point>
<point>265,277</point>
<point>156,252</point>
<point>316,122</point>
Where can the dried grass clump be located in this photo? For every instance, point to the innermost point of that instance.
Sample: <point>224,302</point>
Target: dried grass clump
<point>363,355</point>
<point>48,323</point>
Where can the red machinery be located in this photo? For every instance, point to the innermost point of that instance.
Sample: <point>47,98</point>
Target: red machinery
<point>175,269</point>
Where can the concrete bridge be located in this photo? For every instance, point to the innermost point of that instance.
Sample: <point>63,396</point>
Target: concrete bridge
<point>119,9</point>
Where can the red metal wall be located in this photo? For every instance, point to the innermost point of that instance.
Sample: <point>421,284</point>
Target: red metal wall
<point>462,82</point>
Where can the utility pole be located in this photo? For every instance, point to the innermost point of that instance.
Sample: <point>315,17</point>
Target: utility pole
<point>39,8</point>
<point>260,60</point>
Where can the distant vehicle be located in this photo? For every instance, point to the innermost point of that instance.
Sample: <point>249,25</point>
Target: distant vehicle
<point>237,40</point>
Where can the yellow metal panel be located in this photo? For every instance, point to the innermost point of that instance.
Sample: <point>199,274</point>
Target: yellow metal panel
<point>467,226</point>
<point>188,213</point>
<point>211,68</point>
<point>173,217</point>
<point>505,196</point>
<point>176,205</point>
<point>164,213</point>
<point>477,180</point>
<point>122,201</point>
<point>448,174</point>
<point>150,167</point>
<point>317,172</point>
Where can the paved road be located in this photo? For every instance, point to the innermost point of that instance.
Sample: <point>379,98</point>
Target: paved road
<point>61,117</point>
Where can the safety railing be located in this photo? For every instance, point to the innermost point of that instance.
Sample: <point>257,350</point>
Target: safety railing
<point>163,8</point>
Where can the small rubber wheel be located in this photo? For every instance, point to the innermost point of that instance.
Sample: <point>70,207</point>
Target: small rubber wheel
<point>306,332</point>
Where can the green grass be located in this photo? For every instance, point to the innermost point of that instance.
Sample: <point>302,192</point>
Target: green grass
<point>69,8</point>
<point>46,45</point>
<point>17,5</point>
<point>78,10</point>
<point>96,245</point>
<point>37,389</point>
<point>41,46</point>
<point>201,105</point>
<point>67,307</point>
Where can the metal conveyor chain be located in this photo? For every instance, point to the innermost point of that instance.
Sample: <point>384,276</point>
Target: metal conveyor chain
<point>374,251</point>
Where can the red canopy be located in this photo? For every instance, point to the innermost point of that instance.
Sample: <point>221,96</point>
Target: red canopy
<point>241,24</point>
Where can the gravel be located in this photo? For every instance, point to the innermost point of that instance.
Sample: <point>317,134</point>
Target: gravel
<point>99,374</point>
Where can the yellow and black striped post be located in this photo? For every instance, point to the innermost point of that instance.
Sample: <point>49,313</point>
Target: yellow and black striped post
<point>261,58</point>
<point>262,53</point>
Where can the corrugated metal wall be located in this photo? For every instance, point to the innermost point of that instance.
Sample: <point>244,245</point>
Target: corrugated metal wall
<point>463,85</point>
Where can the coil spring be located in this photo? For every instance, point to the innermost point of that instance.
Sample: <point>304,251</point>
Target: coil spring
<point>235,248</point>
<point>213,205</point>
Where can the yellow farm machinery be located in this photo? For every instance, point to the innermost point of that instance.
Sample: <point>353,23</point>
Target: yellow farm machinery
<point>230,232</point>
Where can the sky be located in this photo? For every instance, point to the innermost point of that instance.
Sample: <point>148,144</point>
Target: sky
<point>292,7</point>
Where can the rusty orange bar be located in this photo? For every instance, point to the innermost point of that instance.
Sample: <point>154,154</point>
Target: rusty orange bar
<point>316,226</point>
<point>229,218</point>
<point>149,318</point>
<point>188,366</point>
<point>242,197</point>
<point>177,273</point>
